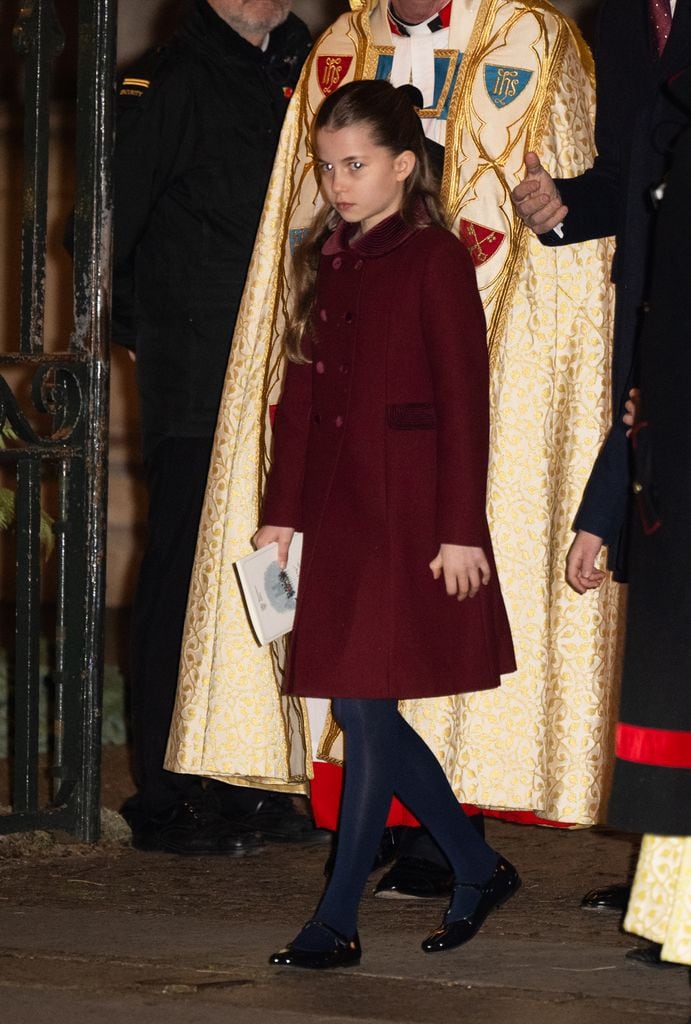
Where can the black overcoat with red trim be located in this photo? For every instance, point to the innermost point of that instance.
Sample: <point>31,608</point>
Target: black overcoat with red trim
<point>652,784</point>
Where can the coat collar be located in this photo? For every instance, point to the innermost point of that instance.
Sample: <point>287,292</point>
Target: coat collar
<point>380,240</point>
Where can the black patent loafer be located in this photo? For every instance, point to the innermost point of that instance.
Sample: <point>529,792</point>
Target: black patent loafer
<point>650,956</point>
<point>611,897</point>
<point>344,952</point>
<point>503,883</point>
<point>415,878</point>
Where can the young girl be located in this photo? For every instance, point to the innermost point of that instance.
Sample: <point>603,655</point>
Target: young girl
<point>380,458</point>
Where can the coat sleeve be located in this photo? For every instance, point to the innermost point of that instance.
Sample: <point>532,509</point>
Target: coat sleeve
<point>153,133</point>
<point>282,504</point>
<point>456,342</point>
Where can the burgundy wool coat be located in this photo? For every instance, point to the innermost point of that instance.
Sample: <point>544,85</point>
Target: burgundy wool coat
<point>380,455</point>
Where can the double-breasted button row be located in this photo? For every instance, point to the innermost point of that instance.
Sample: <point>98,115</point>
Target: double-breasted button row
<point>320,368</point>
<point>337,263</point>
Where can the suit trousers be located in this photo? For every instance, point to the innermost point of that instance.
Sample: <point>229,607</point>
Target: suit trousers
<point>176,473</point>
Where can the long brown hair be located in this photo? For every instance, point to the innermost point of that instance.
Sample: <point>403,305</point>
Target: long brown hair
<point>391,118</point>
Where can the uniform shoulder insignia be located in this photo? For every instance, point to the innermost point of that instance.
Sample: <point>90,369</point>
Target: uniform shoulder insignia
<point>138,79</point>
<point>134,86</point>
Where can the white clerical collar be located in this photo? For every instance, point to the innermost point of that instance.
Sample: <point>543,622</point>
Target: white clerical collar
<point>436,23</point>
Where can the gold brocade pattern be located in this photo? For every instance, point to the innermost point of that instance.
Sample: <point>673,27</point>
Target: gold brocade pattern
<point>542,741</point>
<point>660,904</point>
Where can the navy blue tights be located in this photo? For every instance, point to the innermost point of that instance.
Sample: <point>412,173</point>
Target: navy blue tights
<point>385,756</point>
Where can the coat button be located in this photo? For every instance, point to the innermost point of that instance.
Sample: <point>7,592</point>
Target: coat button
<point>637,487</point>
<point>319,367</point>
<point>349,318</point>
<point>344,368</point>
<point>323,315</point>
<point>359,265</point>
<point>339,421</point>
<point>337,263</point>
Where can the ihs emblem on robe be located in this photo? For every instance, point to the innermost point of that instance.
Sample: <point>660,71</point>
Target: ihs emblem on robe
<point>331,70</point>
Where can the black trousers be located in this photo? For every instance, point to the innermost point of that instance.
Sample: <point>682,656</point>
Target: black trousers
<point>176,473</point>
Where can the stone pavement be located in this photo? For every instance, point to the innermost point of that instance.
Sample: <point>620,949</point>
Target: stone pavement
<point>112,936</point>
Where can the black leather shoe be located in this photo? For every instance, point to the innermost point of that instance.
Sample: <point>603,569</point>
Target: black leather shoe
<point>344,952</point>
<point>192,830</point>
<point>612,897</point>
<point>650,956</point>
<point>414,878</point>
<point>386,851</point>
<point>277,819</point>
<point>502,885</point>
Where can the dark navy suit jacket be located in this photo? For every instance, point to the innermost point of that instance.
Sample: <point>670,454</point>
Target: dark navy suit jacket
<point>637,123</point>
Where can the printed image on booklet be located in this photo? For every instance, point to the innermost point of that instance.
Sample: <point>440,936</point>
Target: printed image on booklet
<point>270,592</point>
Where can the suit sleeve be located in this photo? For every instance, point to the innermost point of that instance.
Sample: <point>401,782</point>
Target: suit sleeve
<point>282,504</point>
<point>594,197</point>
<point>456,342</point>
<point>153,136</point>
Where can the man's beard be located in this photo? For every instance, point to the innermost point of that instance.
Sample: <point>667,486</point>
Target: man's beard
<point>261,16</point>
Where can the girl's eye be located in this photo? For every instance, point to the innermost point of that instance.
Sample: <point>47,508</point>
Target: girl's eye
<point>356,165</point>
<point>326,167</point>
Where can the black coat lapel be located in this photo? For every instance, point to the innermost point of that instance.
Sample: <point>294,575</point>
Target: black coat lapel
<point>678,50</point>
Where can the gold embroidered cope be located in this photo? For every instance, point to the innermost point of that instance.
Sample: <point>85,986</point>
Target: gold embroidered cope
<point>515,75</point>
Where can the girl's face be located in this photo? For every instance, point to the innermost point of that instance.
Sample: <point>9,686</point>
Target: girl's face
<point>364,182</point>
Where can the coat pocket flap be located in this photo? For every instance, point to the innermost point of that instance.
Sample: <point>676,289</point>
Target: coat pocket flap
<point>411,416</point>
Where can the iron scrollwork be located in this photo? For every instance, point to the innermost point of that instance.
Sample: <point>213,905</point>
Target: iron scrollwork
<point>57,391</point>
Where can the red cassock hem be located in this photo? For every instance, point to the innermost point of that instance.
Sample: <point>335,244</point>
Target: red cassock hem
<point>662,748</point>
<point>326,802</point>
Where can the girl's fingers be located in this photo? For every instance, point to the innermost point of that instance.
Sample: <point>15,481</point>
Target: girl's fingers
<point>282,556</point>
<point>473,578</point>
<point>451,582</point>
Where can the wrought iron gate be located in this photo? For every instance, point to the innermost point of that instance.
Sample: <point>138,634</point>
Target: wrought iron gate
<point>64,435</point>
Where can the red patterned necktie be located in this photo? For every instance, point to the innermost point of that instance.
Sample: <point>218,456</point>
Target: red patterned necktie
<point>661,19</point>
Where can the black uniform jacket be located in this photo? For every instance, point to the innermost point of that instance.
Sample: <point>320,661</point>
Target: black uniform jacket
<point>198,124</point>
<point>652,781</point>
<point>637,122</point>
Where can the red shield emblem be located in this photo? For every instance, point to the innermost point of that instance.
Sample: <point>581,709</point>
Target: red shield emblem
<point>331,71</point>
<point>481,242</point>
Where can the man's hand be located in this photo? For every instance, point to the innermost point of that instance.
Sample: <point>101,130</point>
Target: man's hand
<point>581,573</point>
<point>537,199</point>
<point>465,570</point>
<point>281,534</point>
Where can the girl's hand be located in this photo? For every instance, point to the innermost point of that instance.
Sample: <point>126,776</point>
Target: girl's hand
<point>581,573</point>
<point>281,534</point>
<point>465,570</point>
<point>631,414</point>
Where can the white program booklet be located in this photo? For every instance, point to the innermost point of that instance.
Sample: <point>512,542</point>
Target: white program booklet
<point>270,592</point>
